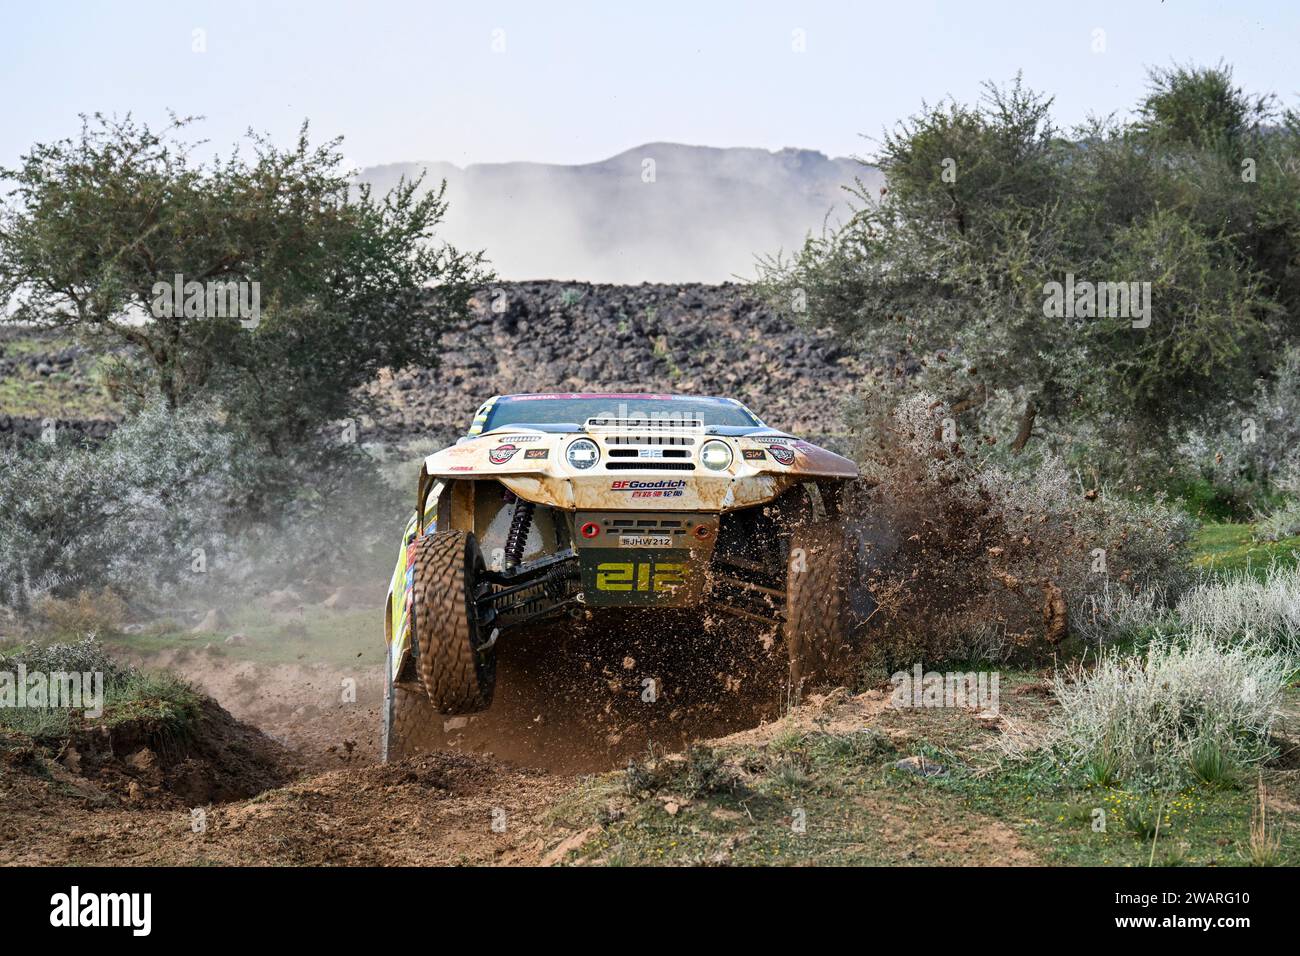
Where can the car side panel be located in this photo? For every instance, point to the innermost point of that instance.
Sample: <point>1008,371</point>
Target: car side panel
<point>397,628</point>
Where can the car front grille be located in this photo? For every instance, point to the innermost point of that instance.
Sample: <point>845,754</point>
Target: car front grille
<point>648,440</point>
<point>649,464</point>
<point>636,452</point>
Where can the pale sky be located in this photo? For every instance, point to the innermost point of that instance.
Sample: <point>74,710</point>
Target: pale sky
<point>578,82</point>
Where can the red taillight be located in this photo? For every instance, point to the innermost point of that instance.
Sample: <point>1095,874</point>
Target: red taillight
<point>590,529</point>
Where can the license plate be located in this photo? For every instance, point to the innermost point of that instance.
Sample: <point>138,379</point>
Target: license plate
<point>646,541</point>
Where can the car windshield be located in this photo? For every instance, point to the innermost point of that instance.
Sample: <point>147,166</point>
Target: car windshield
<point>577,409</point>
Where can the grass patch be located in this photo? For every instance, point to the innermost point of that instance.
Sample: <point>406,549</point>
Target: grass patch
<point>1083,825</point>
<point>807,796</point>
<point>316,635</point>
<point>60,395</point>
<point>1183,709</point>
<point>1231,547</point>
<point>171,706</point>
<point>803,798</point>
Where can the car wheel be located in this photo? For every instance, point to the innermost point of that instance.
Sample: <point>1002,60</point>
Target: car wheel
<point>410,722</point>
<point>456,668</point>
<point>817,619</point>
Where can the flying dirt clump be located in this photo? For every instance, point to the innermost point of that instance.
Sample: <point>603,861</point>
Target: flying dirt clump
<point>973,562</point>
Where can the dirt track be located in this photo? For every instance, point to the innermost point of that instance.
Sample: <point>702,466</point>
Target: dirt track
<point>568,700</point>
<point>568,703</point>
<point>443,808</point>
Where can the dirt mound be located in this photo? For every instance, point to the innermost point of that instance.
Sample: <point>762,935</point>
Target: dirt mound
<point>298,705</point>
<point>458,808</point>
<point>443,808</point>
<point>146,763</point>
<point>439,808</point>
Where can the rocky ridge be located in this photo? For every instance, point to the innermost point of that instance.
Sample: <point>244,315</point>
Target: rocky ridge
<point>572,336</point>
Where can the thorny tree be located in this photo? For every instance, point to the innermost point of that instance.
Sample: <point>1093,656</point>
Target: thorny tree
<point>348,283</point>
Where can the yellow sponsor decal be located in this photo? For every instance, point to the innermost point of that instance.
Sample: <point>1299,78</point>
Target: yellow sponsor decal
<point>639,576</point>
<point>481,416</point>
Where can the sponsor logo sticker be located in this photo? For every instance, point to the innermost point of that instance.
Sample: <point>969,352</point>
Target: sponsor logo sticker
<point>783,454</point>
<point>665,488</point>
<point>536,453</point>
<point>754,454</point>
<point>501,454</point>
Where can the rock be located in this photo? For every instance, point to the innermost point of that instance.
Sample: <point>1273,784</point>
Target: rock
<point>214,620</point>
<point>649,337</point>
<point>144,760</point>
<point>72,759</point>
<point>349,596</point>
<point>454,723</point>
<point>920,766</point>
<point>284,600</point>
<point>565,846</point>
<point>236,640</point>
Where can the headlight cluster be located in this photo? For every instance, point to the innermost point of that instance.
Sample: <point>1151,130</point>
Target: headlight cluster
<point>716,455</point>
<point>583,453</point>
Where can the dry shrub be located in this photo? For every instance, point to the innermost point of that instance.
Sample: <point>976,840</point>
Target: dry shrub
<point>1161,718</point>
<point>970,562</point>
<point>89,613</point>
<point>1241,606</point>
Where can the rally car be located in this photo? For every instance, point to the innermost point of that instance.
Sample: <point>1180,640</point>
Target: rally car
<point>578,504</point>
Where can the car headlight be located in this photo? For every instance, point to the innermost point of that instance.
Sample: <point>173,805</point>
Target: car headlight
<point>716,455</point>
<point>583,453</point>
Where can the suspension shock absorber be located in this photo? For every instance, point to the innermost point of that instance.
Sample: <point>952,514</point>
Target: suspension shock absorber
<point>521,521</point>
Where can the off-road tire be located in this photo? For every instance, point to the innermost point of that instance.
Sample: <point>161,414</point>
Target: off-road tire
<point>817,619</point>
<point>457,677</point>
<point>410,722</point>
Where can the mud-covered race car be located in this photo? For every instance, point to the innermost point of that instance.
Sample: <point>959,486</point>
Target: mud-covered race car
<point>578,504</point>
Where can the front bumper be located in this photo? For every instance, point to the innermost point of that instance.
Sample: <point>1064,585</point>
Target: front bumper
<point>603,491</point>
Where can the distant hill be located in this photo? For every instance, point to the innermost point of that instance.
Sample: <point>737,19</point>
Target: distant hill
<point>703,218</point>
